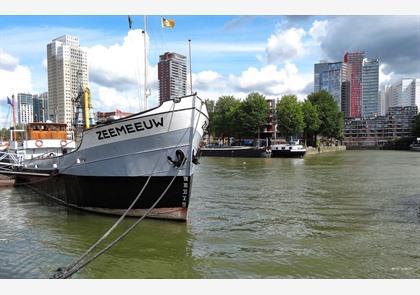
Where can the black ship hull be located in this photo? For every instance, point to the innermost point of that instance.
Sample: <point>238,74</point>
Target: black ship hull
<point>235,152</point>
<point>287,154</point>
<point>113,195</point>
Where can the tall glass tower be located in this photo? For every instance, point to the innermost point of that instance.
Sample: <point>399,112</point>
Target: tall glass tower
<point>370,87</point>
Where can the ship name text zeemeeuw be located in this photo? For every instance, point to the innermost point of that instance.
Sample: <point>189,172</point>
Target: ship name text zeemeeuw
<point>129,128</point>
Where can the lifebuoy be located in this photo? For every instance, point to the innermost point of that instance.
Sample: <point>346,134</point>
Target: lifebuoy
<point>39,143</point>
<point>63,143</point>
<point>4,146</point>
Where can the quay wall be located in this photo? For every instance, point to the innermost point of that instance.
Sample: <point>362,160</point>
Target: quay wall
<point>325,149</point>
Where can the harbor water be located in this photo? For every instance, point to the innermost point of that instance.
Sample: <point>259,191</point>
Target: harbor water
<point>349,214</point>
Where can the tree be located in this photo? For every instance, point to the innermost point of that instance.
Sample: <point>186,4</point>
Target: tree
<point>290,119</point>
<point>252,115</point>
<point>416,125</point>
<point>312,122</point>
<point>210,105</point>
<point>332,120</point>
<point>224,121</point>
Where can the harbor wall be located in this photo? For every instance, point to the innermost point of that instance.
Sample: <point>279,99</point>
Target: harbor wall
<point>325,149</point>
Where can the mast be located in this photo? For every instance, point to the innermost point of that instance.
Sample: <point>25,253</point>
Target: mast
<point>14,118</point>
<point>189,50</point>
<point>146,94</point>
<point>275,119</point>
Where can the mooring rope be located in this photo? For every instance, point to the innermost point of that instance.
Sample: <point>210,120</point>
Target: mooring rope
<point>79,263</point>
<point>70,271</point>
<point>113,226</point>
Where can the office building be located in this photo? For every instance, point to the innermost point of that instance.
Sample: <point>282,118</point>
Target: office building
<point>172,75</point>
<point>330,76</point>
<point>380,131</point>
<point>24,108</point>
<point>355,60</point>
<point>406,93</point>
<point>370,86</point>
<point>67,75</point>
<point>385,99</point>
<point>40,107</point>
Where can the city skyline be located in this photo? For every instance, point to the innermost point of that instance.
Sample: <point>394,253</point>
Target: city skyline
<point>230,54</point>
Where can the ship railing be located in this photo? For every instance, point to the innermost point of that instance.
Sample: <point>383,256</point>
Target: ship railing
<point>10,159</point>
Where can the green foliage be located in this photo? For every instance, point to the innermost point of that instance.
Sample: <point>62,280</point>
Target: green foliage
<point>311,117</point>
<point>312,121</point>
<point>319,114</point>
<point>416,126</point>
<point>210,105</point>
<point>290,117</point>
<point>332,120</point>
<point>252,115</point>
<point>224,120</point>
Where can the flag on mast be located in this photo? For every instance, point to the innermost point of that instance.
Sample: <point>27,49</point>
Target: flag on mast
<point>168,23</point>
<point>10,102</point>
<point>130,22</point>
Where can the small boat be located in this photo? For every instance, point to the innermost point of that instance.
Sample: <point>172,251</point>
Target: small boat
<point>415,146</point>
<point>293,149</point>
<point>236,151</point>
<point>41,140</point>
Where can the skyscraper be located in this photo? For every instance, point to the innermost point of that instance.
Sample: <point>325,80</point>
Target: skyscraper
<point>332,77</point>
<point>355,60</point>
<point>172,75</point>
<point>385,99</point>
<point>24,108</point>
<point>370,86</point>
<point>41,107</point>
<point>406,93</point>
<point>67,75</point>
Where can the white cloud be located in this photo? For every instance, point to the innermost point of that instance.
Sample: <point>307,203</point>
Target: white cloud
<point>7,62</point>
<point>272,81</point>
<point>119,65</point>
<point>14,78</point>
<point>384,78</point>
<point>116,73</point>
<point>207,80</point>
<point>269,80</point>
<point>285,45</point>
<point>318,30</point>
<point>109,99</point>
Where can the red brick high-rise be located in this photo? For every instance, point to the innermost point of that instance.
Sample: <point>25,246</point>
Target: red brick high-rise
<point>355,59</point>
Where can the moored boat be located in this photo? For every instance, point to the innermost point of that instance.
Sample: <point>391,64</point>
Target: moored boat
<point>113,161</point>
<point>42,140</point>
<point>236,151</point>
<point>415,146</point>
<point>293,149</point>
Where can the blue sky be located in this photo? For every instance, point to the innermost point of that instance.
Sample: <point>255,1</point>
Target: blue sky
<point>231,54</point>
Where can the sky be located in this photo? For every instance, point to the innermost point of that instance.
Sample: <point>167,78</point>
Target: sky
<point>231,55</point>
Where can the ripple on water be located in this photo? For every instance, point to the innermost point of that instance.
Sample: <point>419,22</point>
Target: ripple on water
<point>337,215</point>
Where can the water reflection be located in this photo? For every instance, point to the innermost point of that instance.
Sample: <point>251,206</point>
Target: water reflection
<point>41,236</point>
<point>337,215</point>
